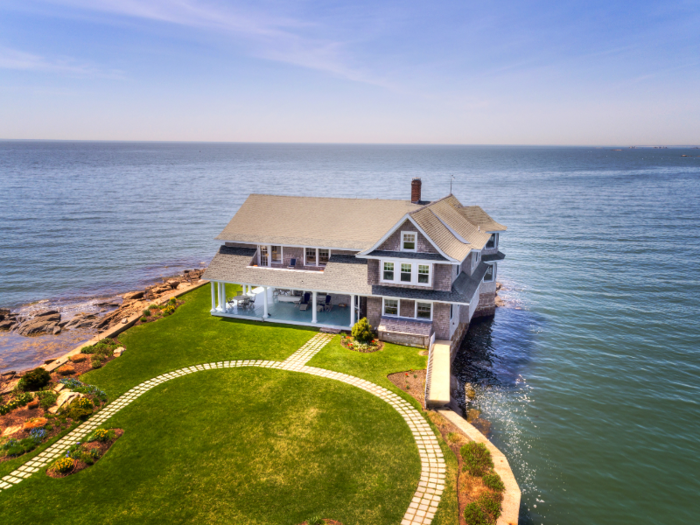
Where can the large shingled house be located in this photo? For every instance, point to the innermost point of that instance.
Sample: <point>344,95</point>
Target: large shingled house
<point>417,270</point>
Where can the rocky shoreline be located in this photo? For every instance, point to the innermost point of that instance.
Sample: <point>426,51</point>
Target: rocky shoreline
<point>51,322</point>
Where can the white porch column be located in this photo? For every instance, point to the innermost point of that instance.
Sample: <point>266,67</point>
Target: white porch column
<point>222,297</point>
<point>313,311</point>
<point>352,310</point>
<point>213,296</point>
<point>265,302</point>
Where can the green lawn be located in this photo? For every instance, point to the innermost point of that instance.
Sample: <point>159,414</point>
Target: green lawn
<point>192,336</point>
<point>249,446</point>
<point>241,446</point>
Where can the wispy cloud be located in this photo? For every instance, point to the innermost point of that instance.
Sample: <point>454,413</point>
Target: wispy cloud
<point>265,32</point>
<point>21,60</point>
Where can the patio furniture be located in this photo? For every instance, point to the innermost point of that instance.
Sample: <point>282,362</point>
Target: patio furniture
<point>304,303</point>
<point>250,304</point>
<point>288,299</point>
<point>292,264</point>
<point>327,306</point>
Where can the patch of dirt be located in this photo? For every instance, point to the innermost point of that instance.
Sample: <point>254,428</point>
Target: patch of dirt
<point>80,465</point>
<point>412,382</point>
<point>156,313</point>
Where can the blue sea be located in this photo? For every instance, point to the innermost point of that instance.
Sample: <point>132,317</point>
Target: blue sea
<point>591,374</point>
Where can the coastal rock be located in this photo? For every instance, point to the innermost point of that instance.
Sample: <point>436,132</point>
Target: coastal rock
<point>132,295</point>
<point>173,284</point>
<point>9,386</point>
<point>48,313</point>
<point>469,391</point>
<point>7,325</point>
<point>4,312</point>
<point>83,320</point>
<point>40,325</point>
<point>500,302</point>
<point>56,330</point>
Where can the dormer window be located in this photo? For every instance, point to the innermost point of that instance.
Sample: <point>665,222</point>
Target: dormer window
<point>493,241</point>
<point>408,241</point>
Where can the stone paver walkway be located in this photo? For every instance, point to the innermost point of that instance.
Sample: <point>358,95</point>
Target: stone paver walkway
<point>306,352</point>
<point>425,501</point>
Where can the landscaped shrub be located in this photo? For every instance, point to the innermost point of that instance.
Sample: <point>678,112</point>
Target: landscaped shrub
<point>15,447</point>
<point>47,398</point>
<point>494,482</point>
<point>474,515</point>
<point>63,465</point>
<point>490,503</point>
<point>477,458</point>
<point>35,380</point>
<point>146,313</point>
<point>169,309</point>
<point>144,319</point>
<point>362,331</point>
<point>315,521</point>
<point>81,408</point>
<point>19,401</point>
<point>102,435</point>
<point>96,362</point>
<point>76,386</point>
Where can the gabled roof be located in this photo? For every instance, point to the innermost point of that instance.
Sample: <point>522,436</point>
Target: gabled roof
<point>352,224</point>
<point>479,217</point>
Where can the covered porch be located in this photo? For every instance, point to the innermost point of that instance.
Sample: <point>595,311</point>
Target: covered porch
<point>300,307</point>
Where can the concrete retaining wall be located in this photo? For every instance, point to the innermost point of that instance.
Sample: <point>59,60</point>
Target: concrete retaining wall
<point>510,508</point>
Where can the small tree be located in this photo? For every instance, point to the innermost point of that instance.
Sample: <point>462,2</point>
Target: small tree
<point>35,380</point>
<point>362,331</point>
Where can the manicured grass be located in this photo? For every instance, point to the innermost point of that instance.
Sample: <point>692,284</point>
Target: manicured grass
<point>191,336</point>
<point>240,446</point>
<point>376,367</point>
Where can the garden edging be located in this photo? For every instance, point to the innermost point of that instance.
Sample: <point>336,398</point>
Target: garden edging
<point>510,507</point>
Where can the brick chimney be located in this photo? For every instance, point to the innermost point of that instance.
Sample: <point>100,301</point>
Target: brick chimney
<point>415,190</point>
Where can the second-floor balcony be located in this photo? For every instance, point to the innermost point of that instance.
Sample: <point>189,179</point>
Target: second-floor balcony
<point>296,258</point>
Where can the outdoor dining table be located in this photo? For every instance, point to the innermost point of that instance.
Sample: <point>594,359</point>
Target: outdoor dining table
<point>288,298</point>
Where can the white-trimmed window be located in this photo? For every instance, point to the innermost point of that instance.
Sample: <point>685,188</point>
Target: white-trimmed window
<point>424,311</point>
<point>400,272</point>
<point>323,256</point>
<point>493,241</point>
<point>388,271</point>
<point>490,274</point>
<point>405,273</point>
<point>424,273</point>
<point>391,307</point>
<point>316,256</point>
<point>310,257</point>
<point>409,241</point>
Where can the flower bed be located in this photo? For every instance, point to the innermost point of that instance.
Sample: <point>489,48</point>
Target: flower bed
<point>351,344</point>
<point>154,312</point>
<point>82,455</point>
<point>29,423</point>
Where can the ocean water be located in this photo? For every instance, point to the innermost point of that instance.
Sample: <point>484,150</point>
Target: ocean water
<point>590,377</point>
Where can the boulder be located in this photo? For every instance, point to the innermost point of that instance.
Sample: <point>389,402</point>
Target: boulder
<point>38,326</point>
<point>56,330</point>
<point>11,430</point>
<point>469,391</point>
<point>9,387</point>
<point>7,325</point>
<point>48,313</point>
<point>64,398</point>
<point>119,351</point>
<point>4,312</point>
<point>78,358</point>
<point>173,284</point>
<point>66,370</point>
<point>132,295</point>
<point>37,422</point>
<point>59,387</point>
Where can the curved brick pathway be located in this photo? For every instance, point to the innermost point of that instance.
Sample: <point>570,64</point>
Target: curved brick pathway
<point>427,497</point>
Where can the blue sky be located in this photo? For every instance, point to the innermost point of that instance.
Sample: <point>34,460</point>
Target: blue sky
<point>491,72</point>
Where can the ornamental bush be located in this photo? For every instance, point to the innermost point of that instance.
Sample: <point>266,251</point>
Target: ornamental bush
<point>474,515</point>
<point>477,458</point>
<point>362,331</point>
<point>102,435</point>
<point>494,482</point>
<point>19,401</point>
<point>63,465</point>
<point>81,408</point>
<point>35,380</point>
<point>490,503</point>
